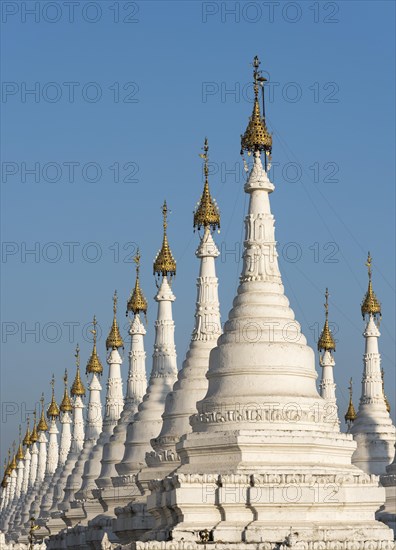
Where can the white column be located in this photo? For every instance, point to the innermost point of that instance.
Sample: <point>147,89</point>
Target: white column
<point>65,440</point>
<point>33,465</point>
<point>53,448</point>
<point>327,385</point>
<point>26,471</point>
<point>42,457</point>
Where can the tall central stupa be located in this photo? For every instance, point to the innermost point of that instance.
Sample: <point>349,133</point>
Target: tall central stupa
<point>265,465</point>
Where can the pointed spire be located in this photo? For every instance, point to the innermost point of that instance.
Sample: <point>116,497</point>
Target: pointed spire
<point>207,213</point>
<point>164,263</point>
<point>114,339</point>
<point>53,411</point>
<point>26,440</point>
<point>20,455</point>
<point>370,304</point>
<point>4,480</point>
<point>42,425</point>
<point>137,302</point>
<point>13,464</point>
<point>94,365</point>
<point>256,136</point>
<point>388,407</point>
<point>326,340</point>
<point>8,469</point>
<point>350,415</point>
<point>34,434</point>
<point>77,387</point>
<point>66,405</point>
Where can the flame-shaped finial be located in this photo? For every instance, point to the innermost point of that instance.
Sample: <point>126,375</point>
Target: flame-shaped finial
<point>350,415</point>
<point>53,411</point>
<point>66,405</point>
<point>42,425</point>
<point>207,212</point>
<point>20,455</point>
<point>77,387</point>
<point>4,480</point>
<point>94,365</point>
<point>165,263</point>
<point>137,302</point>
<point>114,339</point>
<point>370,304</point>
<point>34,434</point>
<point>326,340</point>
<point>256,136</point>
<point>26,440</point>
<point>13,464</point>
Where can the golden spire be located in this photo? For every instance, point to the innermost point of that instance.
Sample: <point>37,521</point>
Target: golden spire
<point>388,407</point>
<point>207,212</point>
<point>370,304</point>
<point>256,136</point>
<point>77,387</point>
<point>20,455</point>
<point>66,405</point>
<point>42,425</point>
<point>4,480</point>
<point>13,464</point>
<point>53,411</point>
<point>94,365</point>
<point>164,263</point>
<point>26,439</point>
<point>114,339</point>
<point>326,340</point>
<point>137,302</point>
<point>350,415</point>
<point>34,434</point>
<point>8,469</point>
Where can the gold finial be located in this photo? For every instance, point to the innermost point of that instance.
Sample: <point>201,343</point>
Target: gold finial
<point>114,339</point>
<point>94,365</point>
<point>42,425</point>
<point>256,136</point>
<point>4,480</point>
<point>53,411</point>
<point>34,434</point>
<point>13,464</point>
<point>26,439</point>
<point>137,302</point>
<point>370,304</point>
<point>9,469</point>
<point>207,212</point>
<point>20,455</point>
<point>326,340</point>
<point>66,405</point>
<point>77,387</point>
<point>387,404</point>
<point>350,415</point>
<point>164,263</point>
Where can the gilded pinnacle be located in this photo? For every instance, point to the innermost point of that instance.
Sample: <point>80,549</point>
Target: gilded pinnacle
<point>207,212</point>
<point>326,340</point>
<point>77,387</point>
<point>13,464</point>
<point>66,405</point>
<point>114,339</point>
<point>34,434</point>
<point>370,305</point>
<point>53,411</point>
<point>42,425</point>
<point>164,263</point>
<point>26,440</point>
<point>20,455</point>
<point>256,136</point>
<point>137,302</point>
<point>350,415</point>
<point>94,365</point>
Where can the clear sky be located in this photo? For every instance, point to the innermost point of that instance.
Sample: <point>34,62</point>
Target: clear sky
<point>124,94</point>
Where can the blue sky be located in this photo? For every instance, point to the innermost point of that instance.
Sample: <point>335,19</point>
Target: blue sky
<point>116,124</point>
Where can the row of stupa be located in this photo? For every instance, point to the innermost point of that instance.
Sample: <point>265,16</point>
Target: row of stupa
<point>236,450</point>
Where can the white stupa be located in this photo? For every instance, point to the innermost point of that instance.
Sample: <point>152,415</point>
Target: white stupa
<point>114,406</point>
<point>263,468</point>
<point>147,421</point>
<point>66,408</point>
<point>93,429</point>
<point>372,429</point>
